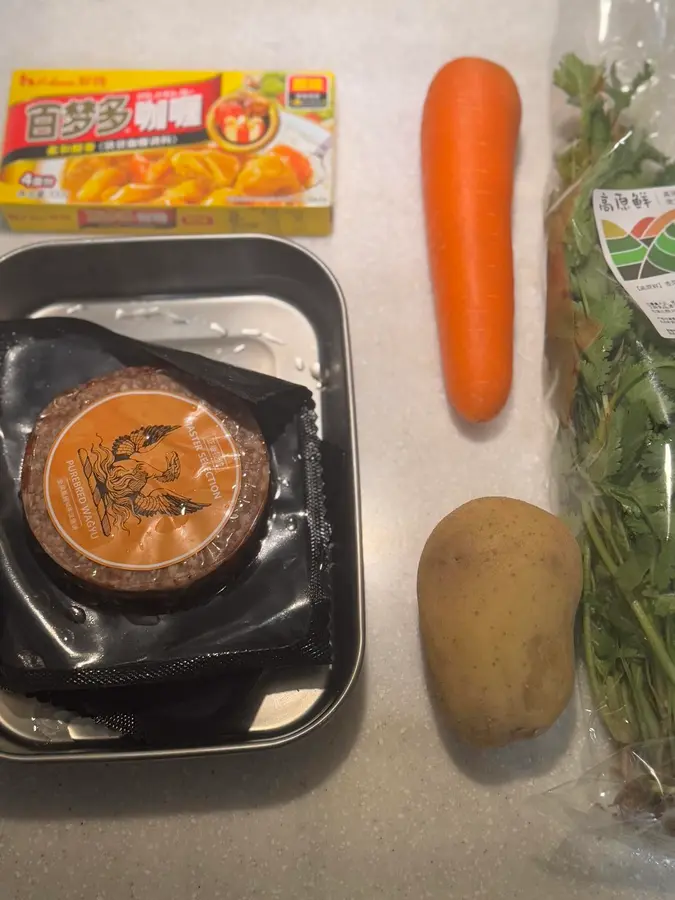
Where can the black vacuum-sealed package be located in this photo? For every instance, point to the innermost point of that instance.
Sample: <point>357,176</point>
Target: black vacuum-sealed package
<point>205,708</point>
<point>162,514</point>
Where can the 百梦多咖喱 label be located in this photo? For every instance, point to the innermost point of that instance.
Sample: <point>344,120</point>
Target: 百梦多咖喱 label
<point>637,234</point>
<point>142,480</point>
<point>156,151</point>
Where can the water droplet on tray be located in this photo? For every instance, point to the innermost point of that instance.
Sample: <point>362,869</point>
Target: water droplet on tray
<point>280,485</point>
<point>48,729</point>
<point>31,660</point>
<point>138,619</point>
<point>299,364</point>
<point>76,307</point>
<point>76,614</point>
<point>239,348</point>
<point>214,326</point>
<point>320,377</point>
<point>251,332</point>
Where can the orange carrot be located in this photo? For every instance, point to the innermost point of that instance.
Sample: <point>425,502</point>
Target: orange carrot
<point>469,139</point>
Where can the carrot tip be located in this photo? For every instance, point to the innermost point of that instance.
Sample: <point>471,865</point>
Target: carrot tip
<point>477,408</point>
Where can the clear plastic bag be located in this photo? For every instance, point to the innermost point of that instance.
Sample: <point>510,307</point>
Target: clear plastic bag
<point>611,354</point>
<point>629,795</point>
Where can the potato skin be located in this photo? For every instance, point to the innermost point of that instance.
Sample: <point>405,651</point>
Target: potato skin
<point>498,585</point>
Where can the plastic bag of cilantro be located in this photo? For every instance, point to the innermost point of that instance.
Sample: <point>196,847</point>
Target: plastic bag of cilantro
<point>611,352</point>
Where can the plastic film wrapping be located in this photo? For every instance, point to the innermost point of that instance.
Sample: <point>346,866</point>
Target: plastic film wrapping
<point>610,348</point>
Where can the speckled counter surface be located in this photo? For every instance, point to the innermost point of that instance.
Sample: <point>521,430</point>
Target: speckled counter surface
<point>379,804</point>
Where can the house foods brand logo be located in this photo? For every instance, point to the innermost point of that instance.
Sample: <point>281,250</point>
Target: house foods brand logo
<point>142,480</point>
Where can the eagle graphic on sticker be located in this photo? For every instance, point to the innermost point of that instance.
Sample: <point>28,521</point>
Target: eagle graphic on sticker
<point>123,483</point>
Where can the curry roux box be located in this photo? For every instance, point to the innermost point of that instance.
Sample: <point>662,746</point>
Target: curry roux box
<point>169,152</point>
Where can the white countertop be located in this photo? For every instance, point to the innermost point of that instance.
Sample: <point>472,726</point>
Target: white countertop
<point>379,804</point>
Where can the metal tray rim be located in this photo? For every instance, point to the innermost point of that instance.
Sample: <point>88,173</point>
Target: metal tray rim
<point>312,724</point>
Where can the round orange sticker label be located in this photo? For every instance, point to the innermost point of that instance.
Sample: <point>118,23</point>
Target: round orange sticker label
<point>142,480</point>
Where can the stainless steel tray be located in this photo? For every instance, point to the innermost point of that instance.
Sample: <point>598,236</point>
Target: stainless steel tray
<point>258,302</point>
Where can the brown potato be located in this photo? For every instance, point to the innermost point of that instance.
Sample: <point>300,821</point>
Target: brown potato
<point>134,193</point>
<point>93,188</point>
<point>191,191</point>
<point>498,585</point>
<point>268,176</point>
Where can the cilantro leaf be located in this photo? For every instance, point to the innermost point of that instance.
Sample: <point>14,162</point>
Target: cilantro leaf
<point>579,80</point>
<point>612,311</point>
<point>659,452</point>
<point>622,95</point>
<point>648,493</point>
<point>640,383</point>
<point>635,425</point>
<point>663,573</point>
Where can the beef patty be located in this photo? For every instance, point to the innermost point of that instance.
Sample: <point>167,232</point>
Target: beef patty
<point>133,483</point>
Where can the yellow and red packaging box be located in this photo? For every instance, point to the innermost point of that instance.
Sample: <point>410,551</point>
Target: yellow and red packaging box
<point>169,152</point>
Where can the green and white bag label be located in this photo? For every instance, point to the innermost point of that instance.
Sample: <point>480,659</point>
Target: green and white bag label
<point>637,233</point>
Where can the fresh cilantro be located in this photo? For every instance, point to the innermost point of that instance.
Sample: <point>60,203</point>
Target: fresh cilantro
<point>617,442</point>
<point>622,94</point>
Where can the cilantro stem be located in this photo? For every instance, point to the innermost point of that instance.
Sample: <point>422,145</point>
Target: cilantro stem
<point>655,641</point>
<point>643,512</point>
<point>661,691</point>
<point>649,726</point>
<point>587,634</point>
<point>584,303</point>
<point>589,655</point>
<point>602,519</point>
<point>599,695</point>
<point>600,547</point>
<point>650,632</point>
<point>563,195</point>
<point>624,535</point>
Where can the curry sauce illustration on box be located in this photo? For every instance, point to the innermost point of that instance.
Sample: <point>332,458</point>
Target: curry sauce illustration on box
<point>178,151</point>
<point>146,497</point>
